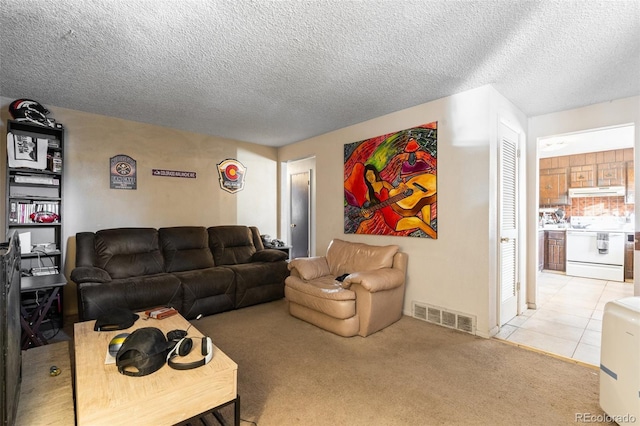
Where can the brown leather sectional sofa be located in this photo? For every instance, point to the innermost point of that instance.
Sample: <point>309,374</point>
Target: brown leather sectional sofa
<point>196,270</point>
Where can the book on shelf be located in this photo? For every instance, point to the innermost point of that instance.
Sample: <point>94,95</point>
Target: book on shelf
<point>20,211</point>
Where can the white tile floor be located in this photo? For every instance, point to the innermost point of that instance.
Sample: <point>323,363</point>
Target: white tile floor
<point>568,321</point>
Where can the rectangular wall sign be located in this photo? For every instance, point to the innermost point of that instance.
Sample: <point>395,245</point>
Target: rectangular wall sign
<point>173,173</point>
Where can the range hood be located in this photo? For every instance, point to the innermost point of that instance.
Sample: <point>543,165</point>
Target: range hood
<point>600,191</point>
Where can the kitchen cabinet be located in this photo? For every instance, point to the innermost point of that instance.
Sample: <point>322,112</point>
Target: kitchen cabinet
<point>582,176</point>
<point>628,257</point>
<point>540,250</point>
<point>553,186</point>
<point>555,250</point>
<point>631,184</point>
<point>612,174</point>
<point>588,170</point>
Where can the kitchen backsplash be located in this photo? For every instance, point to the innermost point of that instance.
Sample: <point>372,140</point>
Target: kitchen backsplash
<point>596,206</point>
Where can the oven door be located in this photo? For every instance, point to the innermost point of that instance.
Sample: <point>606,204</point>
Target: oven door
<point>582,246</point>
<point>585,259</point>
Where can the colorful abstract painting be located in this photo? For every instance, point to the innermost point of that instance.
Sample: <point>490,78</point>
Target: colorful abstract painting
<point>390,184</point>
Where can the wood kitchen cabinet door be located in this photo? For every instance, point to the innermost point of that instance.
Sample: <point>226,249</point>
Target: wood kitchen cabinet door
<point>553,186</point>
<point>612,174</point>
<point>582,176</point>
<point>555,251</point>
<point>628,258</point>
<point>541,249</point>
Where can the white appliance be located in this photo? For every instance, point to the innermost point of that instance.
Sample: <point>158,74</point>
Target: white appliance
<point>609,191</point>
<point>595,254</point>
<point>620,361</point>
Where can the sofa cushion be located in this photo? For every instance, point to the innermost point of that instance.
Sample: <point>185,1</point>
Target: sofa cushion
<point>85,274</point>
<point>345,257</point>
<point>322,295</point>
<point>259,282</point>
<point>269,255</point>
<point>207,291</point>
<point>135,294</point>
<point>185,248</point>
<point>310,268</point>
<point>231,244</point>
<point>128,252</point>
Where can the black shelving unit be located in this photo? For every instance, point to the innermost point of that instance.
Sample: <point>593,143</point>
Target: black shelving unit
<point>31,190</point>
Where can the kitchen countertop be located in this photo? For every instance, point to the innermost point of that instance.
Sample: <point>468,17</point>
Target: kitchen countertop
<point>566,227</point>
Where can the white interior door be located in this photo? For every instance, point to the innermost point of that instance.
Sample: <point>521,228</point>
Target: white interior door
<point>508,220</point>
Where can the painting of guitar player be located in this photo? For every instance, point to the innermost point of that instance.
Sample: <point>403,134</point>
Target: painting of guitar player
<point>390,184</point>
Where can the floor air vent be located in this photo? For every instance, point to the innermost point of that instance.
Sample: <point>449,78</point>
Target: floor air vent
<point>446,318</point>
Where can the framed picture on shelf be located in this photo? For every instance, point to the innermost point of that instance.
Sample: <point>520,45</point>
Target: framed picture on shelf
<point>26,151</point>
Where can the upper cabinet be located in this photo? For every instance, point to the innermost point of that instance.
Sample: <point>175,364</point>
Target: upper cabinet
<point>611,168</point>
<point>582,176</point>
<point>595,169</point>
<point>554,177</point>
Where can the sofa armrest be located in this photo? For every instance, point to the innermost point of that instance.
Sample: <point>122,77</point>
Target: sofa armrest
<point>309,268</point>
<point>90,274</point>
<point>269,255</point>
<point>376,280</point>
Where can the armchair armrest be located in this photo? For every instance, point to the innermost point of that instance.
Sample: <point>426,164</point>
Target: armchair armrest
<point>90,274</point>
<point>269,255</point>
<point>309,268</point>
<point>376,280</point>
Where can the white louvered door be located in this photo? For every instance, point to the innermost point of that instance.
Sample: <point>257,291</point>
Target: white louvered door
<point>508,220</point>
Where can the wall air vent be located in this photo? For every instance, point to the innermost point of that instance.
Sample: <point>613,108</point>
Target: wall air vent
<point>445,317</point>
<point>419,311</point>
<point>434,315</point>
<point>449,319</point>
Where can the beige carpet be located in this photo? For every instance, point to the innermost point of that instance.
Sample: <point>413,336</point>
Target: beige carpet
<point>411,373</point>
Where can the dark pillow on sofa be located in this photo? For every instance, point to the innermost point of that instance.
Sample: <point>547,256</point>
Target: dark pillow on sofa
<point>86,274</point>
<point>269,255</point>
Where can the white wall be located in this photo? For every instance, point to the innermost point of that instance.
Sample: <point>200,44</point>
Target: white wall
<point>90,205</point>
<point>458,270</point>
<point>613,113</point>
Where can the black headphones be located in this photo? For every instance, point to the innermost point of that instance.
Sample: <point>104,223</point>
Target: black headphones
<point>181,345</point>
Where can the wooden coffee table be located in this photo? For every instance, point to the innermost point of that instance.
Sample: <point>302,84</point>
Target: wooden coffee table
<point>166,397</point>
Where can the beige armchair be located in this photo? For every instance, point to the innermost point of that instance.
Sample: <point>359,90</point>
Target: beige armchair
<point>367,299</point>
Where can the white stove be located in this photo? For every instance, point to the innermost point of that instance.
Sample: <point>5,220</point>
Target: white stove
<point>595,248</point>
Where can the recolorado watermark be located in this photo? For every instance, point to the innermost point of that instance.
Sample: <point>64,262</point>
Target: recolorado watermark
<point>601,418</point>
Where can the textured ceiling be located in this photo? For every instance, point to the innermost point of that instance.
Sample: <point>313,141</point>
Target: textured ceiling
<point>276,72</point>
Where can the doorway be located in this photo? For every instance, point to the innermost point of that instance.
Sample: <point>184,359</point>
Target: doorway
<point>509,223</point>
<point>298,206</point>
<point>300,214</point>
<point>567,318</point>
